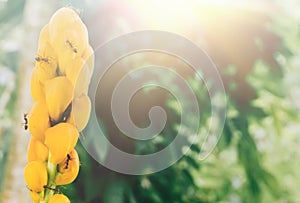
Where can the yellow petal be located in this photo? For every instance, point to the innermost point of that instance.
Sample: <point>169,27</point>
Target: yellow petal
<point>81,109</point>
<point>58,92</point>
<point>73,38</point>
<point>68,46</point>
<point>60,140</point>
<point>39,120</point>
<point>63,17</point>
<point>37,151</point>
<point>44,35</point>
<point>68,169</point>
<point>79,75</point>
<point>64,60</point>
<point>89,57</point>
<point>73,70</point>
<point>46,63</point>
<point>35,197</point>
<point>59,198</point>
<point>36,88</point>
<point>36,176</point>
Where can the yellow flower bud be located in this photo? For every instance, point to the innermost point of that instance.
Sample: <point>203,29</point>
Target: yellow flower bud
<point>46,63</point>
<point>74,68</point>
<point>59,198</point>
<point>81,109</point>
<point>89,57</point>
<point>68,169</point>
<point>35,197</point>
<point>64,18</point>
<point>39,120</point>
<point>36,88</point>
<point>60,140</point>
<point>37,151</point>
<point>59,93</point>
<point>36,177</point>
<point>68,32</point>
<point>79,75</point>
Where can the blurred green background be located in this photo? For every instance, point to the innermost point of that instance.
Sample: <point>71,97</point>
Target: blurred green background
<point>256,47</point>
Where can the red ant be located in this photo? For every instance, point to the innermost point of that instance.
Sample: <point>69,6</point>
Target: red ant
<point>72,47</point>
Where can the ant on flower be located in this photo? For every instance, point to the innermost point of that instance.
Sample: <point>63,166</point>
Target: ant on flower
<point>25,121</point>
<point>50,188</point>
<point>67,161</point>
<point>42,59</point>
<point>72,47</point>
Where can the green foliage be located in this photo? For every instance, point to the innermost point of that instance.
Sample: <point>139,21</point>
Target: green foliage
<point>255,160</point>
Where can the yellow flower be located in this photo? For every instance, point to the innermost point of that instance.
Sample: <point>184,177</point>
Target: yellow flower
<point>39,120</point>
<point>60,140</point>
<point>68,169</point>
<point>37,151</point>
<point>59,94</point>
<point>81,110</point>
<point>36,88</point>
<point>35,197</point>
<point>59,198</point>
<point>36,177</point>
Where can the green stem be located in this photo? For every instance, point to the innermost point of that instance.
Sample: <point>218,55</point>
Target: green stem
<point>51,169</point>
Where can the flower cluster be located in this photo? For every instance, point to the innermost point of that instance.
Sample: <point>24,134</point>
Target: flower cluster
<point>59,87</point>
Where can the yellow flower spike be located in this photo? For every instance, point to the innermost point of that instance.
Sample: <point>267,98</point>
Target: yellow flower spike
<point>89,57</point>
<point>44,35</point>
<point>68,169</point>
<point>46,63</point>
<point>79,75</point>
<point>68,32</point>
<point>39,120</point>
<point>36,177</point>
<point>35,197</point>
<point>37,151</point>
<point>60,140</point>
<point>59,198</point>
<point>81,109</point>
<point>59,93</point>
<point>63,70</point>
<point>36,88</point>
